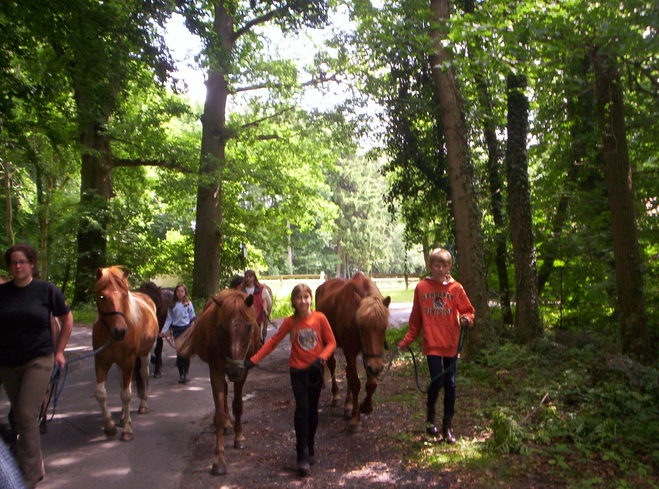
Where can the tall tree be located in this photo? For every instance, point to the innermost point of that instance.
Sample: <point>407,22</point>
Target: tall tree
<point>232,22</point>
<point>464,203</point>
<point>617,168</point>
<point>528,325</point>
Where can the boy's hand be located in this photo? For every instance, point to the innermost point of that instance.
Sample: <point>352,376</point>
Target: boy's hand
<point>248,364</point>
<point>465,322</point>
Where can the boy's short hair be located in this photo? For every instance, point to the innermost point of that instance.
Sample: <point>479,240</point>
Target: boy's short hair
<point>440,255</point>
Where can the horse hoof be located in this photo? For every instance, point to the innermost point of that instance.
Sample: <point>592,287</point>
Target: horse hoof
<point>157,375</point>
<point>366,410</point>
<point>143,410</point>
<point>111,432</point>
<point>219,469</point>
<point>238,444</point>
<point>127,437</point>
<point>354,427</point>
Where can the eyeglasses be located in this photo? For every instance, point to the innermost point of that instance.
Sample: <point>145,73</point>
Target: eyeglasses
<point>18,262</point>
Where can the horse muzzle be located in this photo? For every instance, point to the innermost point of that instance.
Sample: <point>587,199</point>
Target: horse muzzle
<point>373,364</point>
<point>235,371</point>
<point>117,331</point>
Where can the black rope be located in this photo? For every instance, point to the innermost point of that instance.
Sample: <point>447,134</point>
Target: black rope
<point>461,341</point>
<point>55,391</point>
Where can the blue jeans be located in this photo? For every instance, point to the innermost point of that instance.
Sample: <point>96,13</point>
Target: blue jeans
<point>437,365</point>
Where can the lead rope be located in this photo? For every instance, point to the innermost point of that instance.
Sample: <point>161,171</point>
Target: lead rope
<point>461,341</point>
<point>55,391</point>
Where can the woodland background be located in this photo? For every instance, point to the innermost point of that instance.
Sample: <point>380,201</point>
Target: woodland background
<point>519,135</point>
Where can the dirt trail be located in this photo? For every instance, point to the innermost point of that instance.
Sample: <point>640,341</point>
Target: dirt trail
<point>370,458</point>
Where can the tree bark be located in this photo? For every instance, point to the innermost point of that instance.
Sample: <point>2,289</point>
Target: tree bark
<point>95,192</point>
<point>528,325</point>
<point>618,172</point>
<point>495,184</point>
<point>468,230</point>
<point>208,233</point>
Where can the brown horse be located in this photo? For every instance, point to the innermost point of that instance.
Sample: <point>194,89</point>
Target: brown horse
<point>161,297</point>
<point>127,323</point>
<point>223,337</point>
<point>359,317</point>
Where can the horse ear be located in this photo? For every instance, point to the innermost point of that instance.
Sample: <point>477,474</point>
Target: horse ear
<point>249,300</point>
<point>386,301</point>
<point>217,301</point>
<point>126,272</point>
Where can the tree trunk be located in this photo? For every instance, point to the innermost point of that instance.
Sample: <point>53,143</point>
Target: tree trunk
<point>468,231</point>
<point>628,263</point>
<point>528,325</point>
<point>95,192</point>
<point>9,218</point>
<point>208,232</point>
<point>495,183</point>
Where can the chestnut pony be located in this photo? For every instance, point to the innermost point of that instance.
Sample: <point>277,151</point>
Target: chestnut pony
<point>223,337</point>
<point>359,317</point>
<point>127,323</point>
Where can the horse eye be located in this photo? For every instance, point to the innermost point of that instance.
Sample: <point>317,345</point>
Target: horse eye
<point>102,297</point>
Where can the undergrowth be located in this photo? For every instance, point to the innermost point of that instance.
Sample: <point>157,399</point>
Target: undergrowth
<point>569,417</point>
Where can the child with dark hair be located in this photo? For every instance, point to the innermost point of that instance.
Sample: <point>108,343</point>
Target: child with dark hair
<point>312,343</point>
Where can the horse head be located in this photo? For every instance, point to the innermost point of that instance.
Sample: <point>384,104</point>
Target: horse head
<point>112,293</point>
<point>372,319</point>
<point>239,332</point>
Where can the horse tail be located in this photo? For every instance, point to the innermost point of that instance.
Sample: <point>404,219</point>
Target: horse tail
<point>184,344</point>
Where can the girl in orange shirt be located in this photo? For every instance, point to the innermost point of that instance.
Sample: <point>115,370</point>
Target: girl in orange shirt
<point>312,343</point>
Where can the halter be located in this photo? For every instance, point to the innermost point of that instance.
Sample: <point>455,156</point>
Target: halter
<point>231,361</point>
<point>110,313</point>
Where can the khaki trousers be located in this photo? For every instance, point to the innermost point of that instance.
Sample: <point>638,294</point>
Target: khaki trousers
<point>26,385</point>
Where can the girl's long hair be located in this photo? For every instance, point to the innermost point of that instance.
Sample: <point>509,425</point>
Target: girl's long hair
<point>185,301</point>
<point>297,290</point>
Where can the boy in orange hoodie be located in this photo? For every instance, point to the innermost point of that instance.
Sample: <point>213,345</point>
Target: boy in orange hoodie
<point>441,307</point>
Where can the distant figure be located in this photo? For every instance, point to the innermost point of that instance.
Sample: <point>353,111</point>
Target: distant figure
<point>440,308</point>
<point>28,353</point>
<point>312,343</point>
<point>237,282</point>
<point>262,300</point>
<point>179,317</point>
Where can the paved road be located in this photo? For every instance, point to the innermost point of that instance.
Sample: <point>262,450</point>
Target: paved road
<point>78,455</point>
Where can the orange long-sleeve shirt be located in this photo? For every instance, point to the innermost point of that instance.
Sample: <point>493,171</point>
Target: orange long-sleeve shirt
<point>312,338</point>
<point>436,311</point>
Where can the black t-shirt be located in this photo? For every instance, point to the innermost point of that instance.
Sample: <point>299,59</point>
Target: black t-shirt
<point>25,320</point>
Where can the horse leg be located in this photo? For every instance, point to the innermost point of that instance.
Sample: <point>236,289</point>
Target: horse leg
<point>336,394</point>
<point>143,385</point>
<point>126,395</point>
<point>228,427</point>
<point>351,408</point>
<point>109,428</point>
<point>218,384</point>
<point>157,353</point>
<point>366,406</point>
<point>237,406</point>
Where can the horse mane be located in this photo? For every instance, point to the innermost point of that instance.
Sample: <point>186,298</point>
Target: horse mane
<point>372,310</point>
<point>232,303</point>
<point>115,276</point>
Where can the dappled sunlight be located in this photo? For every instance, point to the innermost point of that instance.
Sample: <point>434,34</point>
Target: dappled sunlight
<point>374,472</point>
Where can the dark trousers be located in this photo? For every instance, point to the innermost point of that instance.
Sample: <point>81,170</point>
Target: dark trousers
<point>437,365</point>
<point>306,390</point>
<point>183,364</point>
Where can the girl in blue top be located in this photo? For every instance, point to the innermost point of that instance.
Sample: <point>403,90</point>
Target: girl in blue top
<point>179,317</point>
